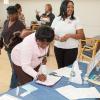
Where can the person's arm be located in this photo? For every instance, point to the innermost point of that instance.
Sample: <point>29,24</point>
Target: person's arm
<point>21,28</point>
<point>26,58</point>
<point>37,15</point>
<point>25,33</point>
<point>26,61</point>
<point>79,35</point>
<point>52,16</point>
<point>79,32</point>
<point>27,68</point>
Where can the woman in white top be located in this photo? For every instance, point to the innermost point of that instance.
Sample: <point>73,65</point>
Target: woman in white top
<point>68,31</point>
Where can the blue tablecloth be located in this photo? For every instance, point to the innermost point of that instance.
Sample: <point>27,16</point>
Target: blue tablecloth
<point>49,93</point>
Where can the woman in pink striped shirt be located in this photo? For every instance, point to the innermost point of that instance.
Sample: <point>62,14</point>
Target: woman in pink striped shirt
<point>29,54</point>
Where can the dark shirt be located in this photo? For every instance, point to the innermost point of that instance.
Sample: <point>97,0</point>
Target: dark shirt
<point>51,16</point>
<point>10,36</point>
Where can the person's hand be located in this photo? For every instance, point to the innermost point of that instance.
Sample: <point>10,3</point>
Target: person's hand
<point>41,77</point>
<point>64,38</point>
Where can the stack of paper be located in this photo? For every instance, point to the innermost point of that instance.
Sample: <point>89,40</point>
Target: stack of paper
<point>51,80</point>
<point>71,92</point>
<point>8,97</point>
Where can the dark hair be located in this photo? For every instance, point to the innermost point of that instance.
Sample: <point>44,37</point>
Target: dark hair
<point>18,6</point>
<point>45,33</point>
<point>11,10</point>
<point>63,10</point>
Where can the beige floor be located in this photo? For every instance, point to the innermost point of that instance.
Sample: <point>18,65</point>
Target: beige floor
<point>5,69</point>
<point>5,72</point>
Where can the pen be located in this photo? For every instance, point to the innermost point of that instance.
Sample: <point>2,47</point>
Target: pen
<point>55,74</point>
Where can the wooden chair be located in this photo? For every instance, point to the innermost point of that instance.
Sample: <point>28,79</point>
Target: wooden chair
<point>88,49</point>
<point>35,26</point>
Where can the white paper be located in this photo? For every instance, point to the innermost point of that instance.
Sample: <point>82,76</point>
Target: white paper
<point>71,92</point>
<point>29,89</point>
<point>66,71</point>
<point>25,94</point>
<point>51,80</point>
<point>8,97</point>
<point>63,71</point>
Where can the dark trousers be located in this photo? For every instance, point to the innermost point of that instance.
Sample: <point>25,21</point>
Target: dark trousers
<point>23,77</point>
<point>14,79</point>
<point>65,57</point>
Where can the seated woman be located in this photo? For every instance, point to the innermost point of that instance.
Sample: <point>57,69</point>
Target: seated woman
<point>29,55</point>
<point>47,17</point>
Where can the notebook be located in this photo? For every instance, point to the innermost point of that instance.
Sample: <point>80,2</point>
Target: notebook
<point>51,80</point>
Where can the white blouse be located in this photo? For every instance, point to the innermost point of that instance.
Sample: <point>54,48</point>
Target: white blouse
<point>67,26</point>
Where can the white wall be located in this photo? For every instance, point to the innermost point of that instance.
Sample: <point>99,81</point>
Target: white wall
<point>29,7</point>
<point>86,10</point>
